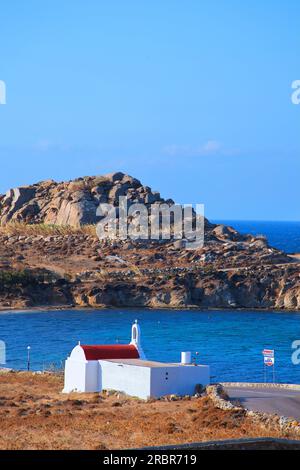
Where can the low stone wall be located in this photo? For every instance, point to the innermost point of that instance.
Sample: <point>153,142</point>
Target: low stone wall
<point>221,400</point>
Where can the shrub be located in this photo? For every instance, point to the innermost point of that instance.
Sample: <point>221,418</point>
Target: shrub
<point>10,279</point>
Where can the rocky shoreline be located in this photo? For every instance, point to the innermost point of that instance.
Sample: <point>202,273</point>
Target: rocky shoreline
<point>62,308</point>
<point>46,264</point>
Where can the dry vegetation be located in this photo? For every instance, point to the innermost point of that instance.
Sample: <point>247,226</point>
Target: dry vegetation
<point>35,415</point>
<point>44,230</point>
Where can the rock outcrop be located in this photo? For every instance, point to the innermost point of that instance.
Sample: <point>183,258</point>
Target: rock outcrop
<point>231,270</point>
<point>72,203</point>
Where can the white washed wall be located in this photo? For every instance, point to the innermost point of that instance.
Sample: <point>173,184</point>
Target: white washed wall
<point>180,380</point>
<point>74,376</point>
<point>145,382</point>
<point>82,376</point>
<point>130,379</point>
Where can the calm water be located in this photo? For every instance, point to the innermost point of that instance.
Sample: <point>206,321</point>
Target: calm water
<point>231,342</point>
<point>282,235</point>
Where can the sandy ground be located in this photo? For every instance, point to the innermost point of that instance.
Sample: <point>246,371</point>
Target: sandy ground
<point>35,415</point>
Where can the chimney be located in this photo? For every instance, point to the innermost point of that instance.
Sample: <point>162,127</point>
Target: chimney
<point>186,357</point>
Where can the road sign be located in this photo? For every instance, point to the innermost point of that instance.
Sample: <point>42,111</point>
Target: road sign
<point>268,352</point>
<point>269,361</point>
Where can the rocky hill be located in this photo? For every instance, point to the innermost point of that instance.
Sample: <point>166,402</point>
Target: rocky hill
<point>50,256</point>
<point>72,203</point>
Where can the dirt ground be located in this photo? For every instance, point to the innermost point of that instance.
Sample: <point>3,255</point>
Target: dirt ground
<point>34,414</point>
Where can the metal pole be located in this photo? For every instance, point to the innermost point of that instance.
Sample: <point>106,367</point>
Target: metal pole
<point>28,358</point>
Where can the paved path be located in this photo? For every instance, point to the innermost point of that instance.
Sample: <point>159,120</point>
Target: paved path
<point>273,400</point>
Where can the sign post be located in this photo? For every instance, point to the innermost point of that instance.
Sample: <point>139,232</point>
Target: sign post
<point>269,361</point>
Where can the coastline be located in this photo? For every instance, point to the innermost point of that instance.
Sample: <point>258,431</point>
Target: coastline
<point>63,308</point>
<point>44,269</point>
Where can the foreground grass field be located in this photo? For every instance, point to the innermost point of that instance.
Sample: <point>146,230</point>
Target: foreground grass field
<point>35,415</point>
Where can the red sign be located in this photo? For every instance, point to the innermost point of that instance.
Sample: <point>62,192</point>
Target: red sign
<point>268,352</point>
<point>269,361</point>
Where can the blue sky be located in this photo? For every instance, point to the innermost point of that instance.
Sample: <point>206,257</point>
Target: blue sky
<point>192,97</point>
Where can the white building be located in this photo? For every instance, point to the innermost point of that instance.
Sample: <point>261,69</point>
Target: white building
<point>124,368</point>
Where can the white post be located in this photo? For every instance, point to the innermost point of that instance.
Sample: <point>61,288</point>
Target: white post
<point>28,358</point>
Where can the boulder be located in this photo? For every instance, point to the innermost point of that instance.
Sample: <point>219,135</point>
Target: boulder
<point>113,177</point>
<point>14,200</point>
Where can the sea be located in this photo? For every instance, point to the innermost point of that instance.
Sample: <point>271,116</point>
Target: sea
<point>230,341</point>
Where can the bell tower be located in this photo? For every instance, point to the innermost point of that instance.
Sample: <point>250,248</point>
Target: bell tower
<point>136,339</point>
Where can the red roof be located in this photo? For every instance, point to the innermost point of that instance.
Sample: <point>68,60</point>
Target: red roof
<point>110,351</point>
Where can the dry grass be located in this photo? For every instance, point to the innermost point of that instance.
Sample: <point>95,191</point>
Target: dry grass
<point>35,415</point>
<point>19,228</point>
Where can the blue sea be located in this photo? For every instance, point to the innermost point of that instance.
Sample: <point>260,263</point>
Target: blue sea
<point>231,342</point>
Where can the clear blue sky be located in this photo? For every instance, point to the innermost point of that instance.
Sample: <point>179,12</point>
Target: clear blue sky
<point>192,97</point>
